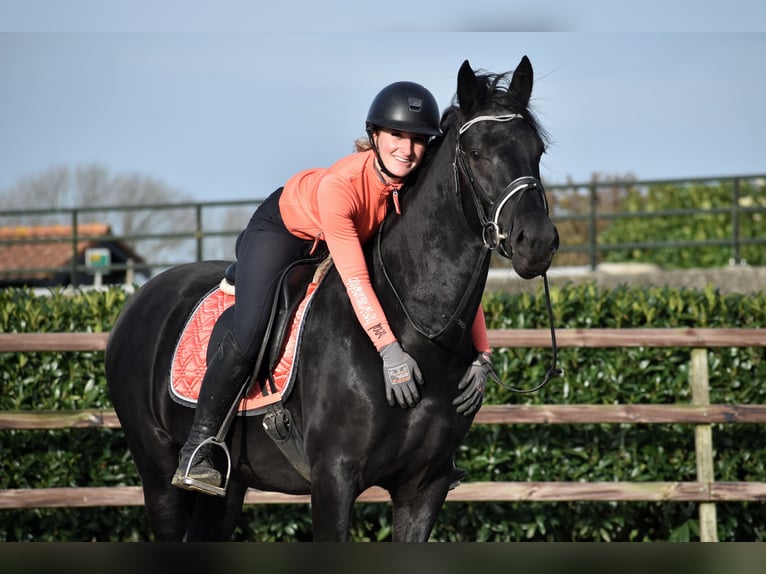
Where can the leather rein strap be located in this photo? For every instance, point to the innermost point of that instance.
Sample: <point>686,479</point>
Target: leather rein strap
<point>457,318</point>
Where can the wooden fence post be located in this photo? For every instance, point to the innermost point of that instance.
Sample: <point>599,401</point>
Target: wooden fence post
<point>703,443</point>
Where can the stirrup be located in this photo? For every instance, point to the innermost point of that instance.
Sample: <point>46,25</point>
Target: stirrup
<point>190,483</point>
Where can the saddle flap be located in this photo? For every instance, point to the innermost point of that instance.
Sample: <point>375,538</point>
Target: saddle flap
<point>293,285</point>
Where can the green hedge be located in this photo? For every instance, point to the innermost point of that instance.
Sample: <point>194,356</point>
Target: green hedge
<point>680,228</point>
<point>86,457</point>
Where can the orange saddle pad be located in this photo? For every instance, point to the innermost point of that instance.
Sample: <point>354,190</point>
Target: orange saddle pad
<point>190,357</point>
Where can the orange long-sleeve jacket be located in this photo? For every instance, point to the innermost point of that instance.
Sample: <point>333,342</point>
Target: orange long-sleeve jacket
<point>344,205</point>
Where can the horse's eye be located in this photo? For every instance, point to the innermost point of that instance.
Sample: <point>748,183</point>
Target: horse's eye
<point>474,154</point>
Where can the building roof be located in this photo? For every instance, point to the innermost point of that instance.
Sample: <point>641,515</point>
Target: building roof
<point>51,246</point>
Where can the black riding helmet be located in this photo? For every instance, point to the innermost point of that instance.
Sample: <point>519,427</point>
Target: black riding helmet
<point>405,106</point>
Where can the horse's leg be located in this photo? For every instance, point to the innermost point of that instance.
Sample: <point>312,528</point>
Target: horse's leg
<point>167,509</point>
<point>214,518</point>
<point>332,498</point>
<point>235,498</point>
<point>174,514</point>
<point>416,511</point>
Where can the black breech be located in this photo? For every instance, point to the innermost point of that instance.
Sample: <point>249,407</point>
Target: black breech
<point>264,249</point>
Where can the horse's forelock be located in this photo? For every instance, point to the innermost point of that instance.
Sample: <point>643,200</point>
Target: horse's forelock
<point>494,90</point>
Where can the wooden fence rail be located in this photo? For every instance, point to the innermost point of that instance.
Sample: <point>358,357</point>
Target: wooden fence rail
<point>706,491</point>
<point>517,338</point>
<point>489,414</point>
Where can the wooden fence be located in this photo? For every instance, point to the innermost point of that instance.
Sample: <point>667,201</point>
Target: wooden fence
<point>700,413</point>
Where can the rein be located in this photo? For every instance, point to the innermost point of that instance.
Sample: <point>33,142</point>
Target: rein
<point>553,371</point>
<point>456,317</point>
<point>492,238</point>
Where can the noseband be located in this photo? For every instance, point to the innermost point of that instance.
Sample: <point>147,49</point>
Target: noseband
<point>492,234</point>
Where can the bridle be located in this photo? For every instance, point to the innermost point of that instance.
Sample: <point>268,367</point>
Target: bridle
<point>493,238</point>
<point>492,234</point>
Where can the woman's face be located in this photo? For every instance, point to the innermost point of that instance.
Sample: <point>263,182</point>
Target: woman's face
<point>401,152</point>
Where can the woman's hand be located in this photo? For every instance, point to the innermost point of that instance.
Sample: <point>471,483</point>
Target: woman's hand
<point>473,384</point>
<point>400,372</point>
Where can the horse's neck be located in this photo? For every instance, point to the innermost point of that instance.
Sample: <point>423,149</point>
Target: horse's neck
<point>436,264</point>
<point>439,219</point>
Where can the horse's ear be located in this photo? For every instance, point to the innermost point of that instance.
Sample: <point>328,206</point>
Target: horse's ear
<point>466,88</point>
<point>521,83</point>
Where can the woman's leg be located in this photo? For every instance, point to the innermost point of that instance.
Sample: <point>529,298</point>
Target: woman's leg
<point>264,249</point>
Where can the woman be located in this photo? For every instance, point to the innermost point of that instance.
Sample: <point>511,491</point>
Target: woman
<point>341,207</point>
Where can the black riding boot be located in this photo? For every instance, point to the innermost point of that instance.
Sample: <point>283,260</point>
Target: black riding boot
<point>221,387</point>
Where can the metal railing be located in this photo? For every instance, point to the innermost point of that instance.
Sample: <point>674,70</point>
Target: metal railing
<point>192,237</point>
<point>589,212</point>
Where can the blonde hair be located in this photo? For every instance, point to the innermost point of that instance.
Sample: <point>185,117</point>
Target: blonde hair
<point>362,144</point>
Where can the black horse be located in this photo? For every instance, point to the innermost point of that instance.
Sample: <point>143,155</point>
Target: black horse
<point>478,190</point>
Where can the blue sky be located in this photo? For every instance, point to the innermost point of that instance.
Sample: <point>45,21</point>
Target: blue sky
<point>220,104</point>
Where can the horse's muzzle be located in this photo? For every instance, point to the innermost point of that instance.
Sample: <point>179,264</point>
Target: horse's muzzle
<point>533,256</point>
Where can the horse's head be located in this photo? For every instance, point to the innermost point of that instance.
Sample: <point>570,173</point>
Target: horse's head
<point>497,155</point>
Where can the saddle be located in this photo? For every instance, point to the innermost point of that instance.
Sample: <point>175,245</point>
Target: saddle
<point>210,318</point>
<point>271,381</point>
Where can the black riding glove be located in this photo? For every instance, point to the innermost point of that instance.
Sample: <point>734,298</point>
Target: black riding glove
<point>473,384</point>
<point>400,372</point>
